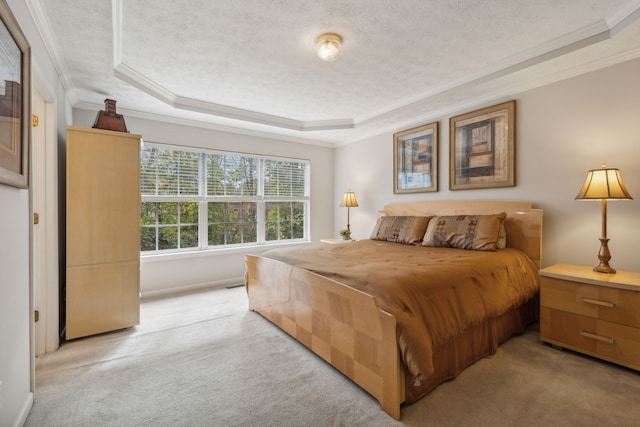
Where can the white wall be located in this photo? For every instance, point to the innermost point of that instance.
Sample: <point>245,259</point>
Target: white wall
<point>562,131</point>
<point>159,274</point>
<point>14,304</point>
<point>16,340</point>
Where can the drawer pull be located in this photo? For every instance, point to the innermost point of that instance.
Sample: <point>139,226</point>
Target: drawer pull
<point>597,337</point>
<point>597,302</point>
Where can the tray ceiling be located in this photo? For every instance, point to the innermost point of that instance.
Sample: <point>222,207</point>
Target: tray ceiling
<point>249,66</point>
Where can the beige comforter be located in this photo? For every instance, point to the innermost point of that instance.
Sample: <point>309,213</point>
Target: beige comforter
<point>434,293</point>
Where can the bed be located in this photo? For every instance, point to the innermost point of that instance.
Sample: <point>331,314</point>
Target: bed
<point>413,306</point>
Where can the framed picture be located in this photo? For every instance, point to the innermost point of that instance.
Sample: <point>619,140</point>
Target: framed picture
<point>15,101</point>
<point>482,148</point>
<point>415,160</point>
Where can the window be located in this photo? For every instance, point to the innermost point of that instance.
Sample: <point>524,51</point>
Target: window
<point>199,199</point>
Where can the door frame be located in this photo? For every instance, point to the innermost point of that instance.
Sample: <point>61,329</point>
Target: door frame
<point>44,236</point>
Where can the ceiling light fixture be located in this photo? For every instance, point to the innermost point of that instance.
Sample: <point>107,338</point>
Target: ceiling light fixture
<point>329,47</point>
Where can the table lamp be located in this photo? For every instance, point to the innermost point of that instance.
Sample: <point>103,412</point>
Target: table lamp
<point>349,201</point>
<point>604,183</point>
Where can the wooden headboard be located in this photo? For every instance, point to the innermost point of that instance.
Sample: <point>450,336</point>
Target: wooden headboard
<point>523,224</point>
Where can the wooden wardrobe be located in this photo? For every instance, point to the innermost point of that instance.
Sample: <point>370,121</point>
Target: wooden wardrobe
<point>102,230</point>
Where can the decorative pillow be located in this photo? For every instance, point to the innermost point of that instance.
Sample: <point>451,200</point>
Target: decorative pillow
<point>473,232</point>
<point>400,229</point>
<point>502,237</point>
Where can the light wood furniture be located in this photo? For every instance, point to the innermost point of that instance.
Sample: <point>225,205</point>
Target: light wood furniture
<point>346,327</point>
<point>594,313</point>
<point>336,241</point>
<point>103,231</point>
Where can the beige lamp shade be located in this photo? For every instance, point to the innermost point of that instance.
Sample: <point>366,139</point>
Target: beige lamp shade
<point>604,183</point>
<point>349,200</point>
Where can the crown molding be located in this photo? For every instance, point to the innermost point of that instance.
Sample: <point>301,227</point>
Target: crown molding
<point>51,46</point>
<point>493,97</point>
<point>90,106</point>
<point>567,43</point>
<point>467,105</point>
<point>605,29</point>
<point>570,42</point>
<point>141,82</point>
<point>138,80</point>
<point>627,13</point>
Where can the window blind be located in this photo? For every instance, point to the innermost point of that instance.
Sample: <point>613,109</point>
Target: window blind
<point>284,178</point>
<point>197,199</point>
<point>166,172</point>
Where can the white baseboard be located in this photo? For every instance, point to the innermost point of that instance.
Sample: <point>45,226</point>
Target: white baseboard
<point>24,413</point>
<point>234,281</point>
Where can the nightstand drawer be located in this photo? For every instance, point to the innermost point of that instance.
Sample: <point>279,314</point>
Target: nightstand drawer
<point>610,341</point>
<point>611,304</point>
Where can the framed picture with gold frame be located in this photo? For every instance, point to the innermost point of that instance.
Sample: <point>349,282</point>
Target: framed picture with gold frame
<point>482,148</point>
<point>415,160</point>
<point>15,101</point>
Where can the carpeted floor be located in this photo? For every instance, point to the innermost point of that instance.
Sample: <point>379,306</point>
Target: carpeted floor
<point>202,359</point>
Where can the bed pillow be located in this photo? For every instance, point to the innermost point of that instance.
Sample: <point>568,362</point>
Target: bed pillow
<point>502,237</point>
<point>473,232</point>
<point>400,229</point>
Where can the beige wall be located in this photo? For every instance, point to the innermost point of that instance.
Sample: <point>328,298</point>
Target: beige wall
<point>563,130</point>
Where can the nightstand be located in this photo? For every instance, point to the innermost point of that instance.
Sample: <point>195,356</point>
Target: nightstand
<point>336,241</point>
<point>593,313</point>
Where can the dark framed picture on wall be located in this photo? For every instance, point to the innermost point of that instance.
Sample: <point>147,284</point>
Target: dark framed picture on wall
<point>415,160</point>
<point>482,148</point>
<point>15,101</point>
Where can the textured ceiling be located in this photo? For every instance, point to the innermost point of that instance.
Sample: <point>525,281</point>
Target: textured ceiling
<point>250,65</point>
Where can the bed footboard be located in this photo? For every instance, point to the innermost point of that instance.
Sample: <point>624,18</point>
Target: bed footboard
<point>342,325</point>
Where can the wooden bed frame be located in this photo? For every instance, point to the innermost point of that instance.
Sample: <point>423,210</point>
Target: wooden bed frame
<point>347,328</point>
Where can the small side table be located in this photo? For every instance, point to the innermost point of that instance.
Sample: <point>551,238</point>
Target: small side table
<point>336,241</point>
<point>592,313</point>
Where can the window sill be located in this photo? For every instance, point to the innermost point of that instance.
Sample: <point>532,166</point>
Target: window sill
<point>255,249</point>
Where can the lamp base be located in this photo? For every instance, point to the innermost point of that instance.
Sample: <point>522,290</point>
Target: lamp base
<point>604,256</point>
<point>604,269</point>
